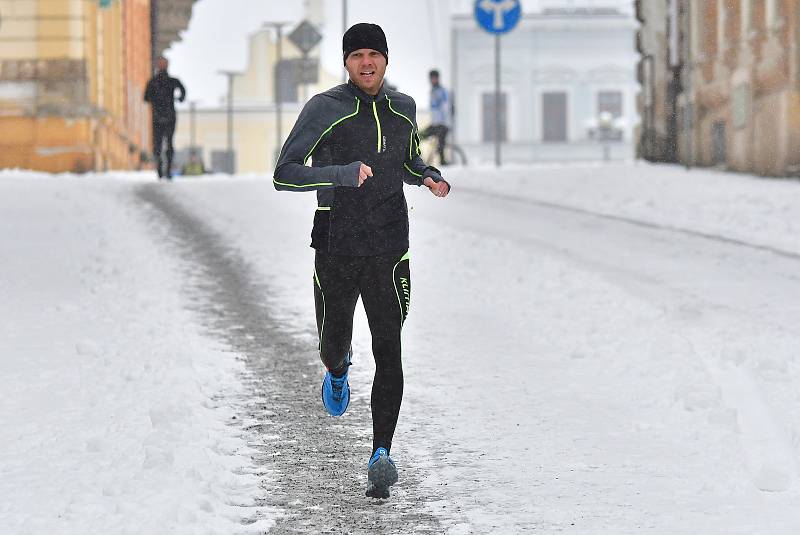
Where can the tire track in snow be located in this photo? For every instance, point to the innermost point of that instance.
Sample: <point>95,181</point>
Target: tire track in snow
<point>767,451</point>
<point>314,465</point>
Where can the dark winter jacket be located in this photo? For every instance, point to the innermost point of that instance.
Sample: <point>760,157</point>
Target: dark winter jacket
<point>160,93</point>
<point>338,130</point>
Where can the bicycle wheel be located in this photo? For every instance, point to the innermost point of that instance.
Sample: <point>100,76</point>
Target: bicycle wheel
<point>455,155</point>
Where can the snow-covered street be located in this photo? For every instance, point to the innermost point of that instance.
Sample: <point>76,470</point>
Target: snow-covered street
<point>112,419</point>
<point>615,351</point>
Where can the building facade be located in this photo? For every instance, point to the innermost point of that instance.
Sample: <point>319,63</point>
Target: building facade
<point>564,67</point>
<point>72,73</point>
<point>720,84</point>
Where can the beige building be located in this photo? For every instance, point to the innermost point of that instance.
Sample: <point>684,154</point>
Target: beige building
<point>721,83</point>
<point>255,137</point>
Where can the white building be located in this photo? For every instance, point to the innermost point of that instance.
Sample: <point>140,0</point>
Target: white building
<point>564,64</point>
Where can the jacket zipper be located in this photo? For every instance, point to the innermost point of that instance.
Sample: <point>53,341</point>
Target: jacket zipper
<point>378,122</point>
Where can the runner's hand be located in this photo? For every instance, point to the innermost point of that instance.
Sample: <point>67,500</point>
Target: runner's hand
<point>440,189</point>
<point>364,172</point>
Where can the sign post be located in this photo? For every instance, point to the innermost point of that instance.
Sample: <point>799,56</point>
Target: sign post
<point>497,17</point>
<point>305,37</point>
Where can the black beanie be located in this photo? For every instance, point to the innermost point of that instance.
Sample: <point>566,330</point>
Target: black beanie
<point>364,35</point>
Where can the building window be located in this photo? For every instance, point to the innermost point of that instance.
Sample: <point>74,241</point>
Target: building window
<point>745,17</point>
<point>554,117</point>
<point>741,106</point>
<point>709,31</point>
<point>491,112</point>
<point>610,101</point>
<point>772,12</point>
<point>718,150</point>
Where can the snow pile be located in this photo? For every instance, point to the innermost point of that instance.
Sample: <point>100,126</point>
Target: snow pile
<point>111,420</point>
<point>764,212</point>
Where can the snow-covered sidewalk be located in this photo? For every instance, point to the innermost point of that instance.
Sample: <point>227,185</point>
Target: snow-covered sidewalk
<point>113,417</point>
<point>764,212</point>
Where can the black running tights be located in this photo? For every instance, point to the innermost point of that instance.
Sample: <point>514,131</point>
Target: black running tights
<point>163,131</point>
<point>384,284</point>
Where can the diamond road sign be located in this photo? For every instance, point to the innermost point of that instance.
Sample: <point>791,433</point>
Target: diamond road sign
<point>497,16</point>
<point>305,37</point>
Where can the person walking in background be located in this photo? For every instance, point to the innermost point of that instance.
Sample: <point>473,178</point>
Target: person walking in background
<point>160,93</point>
<point>362,140</point>
<point>440,115</point>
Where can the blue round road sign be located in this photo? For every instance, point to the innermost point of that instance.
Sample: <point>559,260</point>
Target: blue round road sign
<point>497,16</point>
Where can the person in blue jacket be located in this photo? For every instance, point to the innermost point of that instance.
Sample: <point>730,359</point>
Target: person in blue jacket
<point>440,115</point>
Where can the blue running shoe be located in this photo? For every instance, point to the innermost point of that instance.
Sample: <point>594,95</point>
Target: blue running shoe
<point>381,473</point>
<point>336,392</point>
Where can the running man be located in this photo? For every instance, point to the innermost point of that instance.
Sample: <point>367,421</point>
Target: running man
<point>440,115</point>
<point>160,93</point>
<point>362,141</point>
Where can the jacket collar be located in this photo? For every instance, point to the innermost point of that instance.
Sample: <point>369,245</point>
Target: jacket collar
<point>355,90</point>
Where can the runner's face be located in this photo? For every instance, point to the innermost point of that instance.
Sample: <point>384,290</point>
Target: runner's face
<point>366,68</point>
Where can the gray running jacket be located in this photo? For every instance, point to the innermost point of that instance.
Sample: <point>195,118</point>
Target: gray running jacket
<point>338,130</point>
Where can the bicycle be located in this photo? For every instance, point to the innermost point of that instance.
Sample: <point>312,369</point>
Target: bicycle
<point>453,154</point>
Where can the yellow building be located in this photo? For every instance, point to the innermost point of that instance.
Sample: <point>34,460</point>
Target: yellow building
<point>71,77</point>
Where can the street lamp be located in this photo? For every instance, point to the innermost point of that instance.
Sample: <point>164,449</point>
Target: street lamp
<point>229,159</point>
<point>344,29</point>
<point>278,26</point>
<point>605,132</point>
<point>193,124</point>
